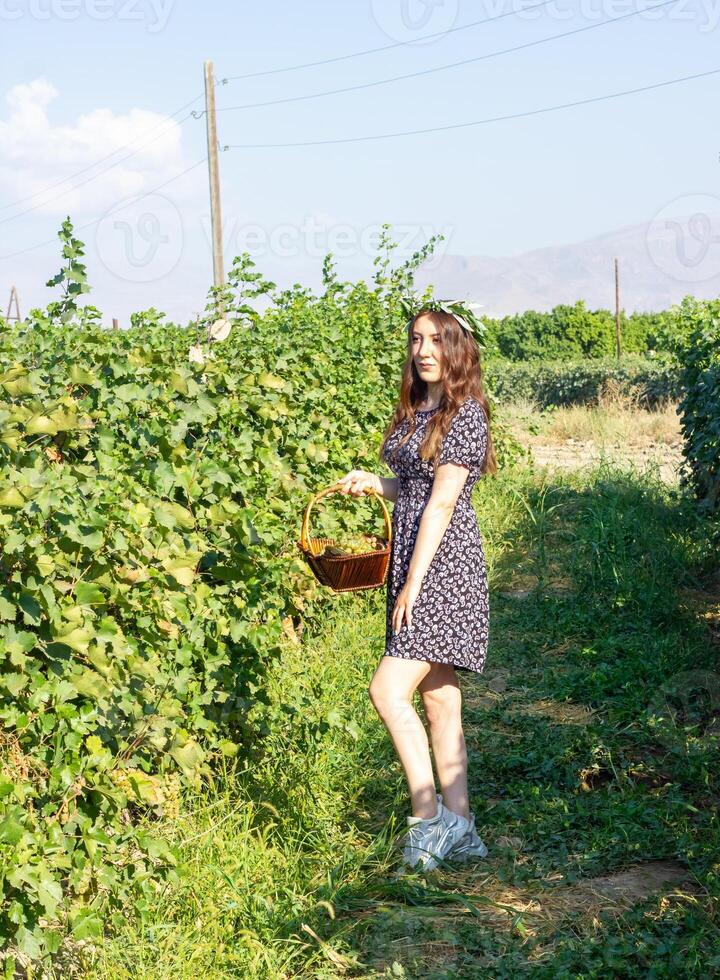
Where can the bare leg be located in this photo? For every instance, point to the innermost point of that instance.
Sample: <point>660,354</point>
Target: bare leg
<point>442,702</point>
<point>391,692</point>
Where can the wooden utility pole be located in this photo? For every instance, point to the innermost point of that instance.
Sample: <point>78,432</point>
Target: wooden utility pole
<point>212,142</point>
<point>617,311</point>
<point>14,301</point>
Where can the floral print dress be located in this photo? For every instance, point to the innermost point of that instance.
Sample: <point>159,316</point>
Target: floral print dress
<point>450,617</point>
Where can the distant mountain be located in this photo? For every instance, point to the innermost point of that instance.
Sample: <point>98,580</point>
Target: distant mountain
<point>659,263</point>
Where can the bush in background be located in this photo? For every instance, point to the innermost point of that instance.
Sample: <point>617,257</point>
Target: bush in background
<point>579,382</point>
<point>576,332</point>
<point>698,348</point>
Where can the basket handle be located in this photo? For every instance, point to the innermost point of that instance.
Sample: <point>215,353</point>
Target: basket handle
<point>335,488</point>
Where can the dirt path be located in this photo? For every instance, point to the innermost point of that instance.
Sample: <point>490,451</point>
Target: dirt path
<point>574,454</point>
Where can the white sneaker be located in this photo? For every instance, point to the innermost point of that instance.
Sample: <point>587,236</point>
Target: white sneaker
<point>430,839</point>
<point>470,845</point>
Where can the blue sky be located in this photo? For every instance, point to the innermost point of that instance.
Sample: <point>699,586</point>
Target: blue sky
<point>497,189</point>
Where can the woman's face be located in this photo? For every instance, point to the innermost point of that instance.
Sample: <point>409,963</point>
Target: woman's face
<point>427,349</point>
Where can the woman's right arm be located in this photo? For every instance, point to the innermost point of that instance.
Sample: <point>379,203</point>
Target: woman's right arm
<point>359,482</point>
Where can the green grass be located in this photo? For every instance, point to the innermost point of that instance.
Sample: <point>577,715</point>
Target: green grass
<point>601,595</point>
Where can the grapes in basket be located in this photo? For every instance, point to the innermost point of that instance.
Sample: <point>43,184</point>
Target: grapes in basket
<point>360,544</point>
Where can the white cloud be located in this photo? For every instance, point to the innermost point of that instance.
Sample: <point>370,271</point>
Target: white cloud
<point>35,154</point>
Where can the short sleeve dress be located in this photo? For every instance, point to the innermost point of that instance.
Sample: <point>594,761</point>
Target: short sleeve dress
<point>451,615</point>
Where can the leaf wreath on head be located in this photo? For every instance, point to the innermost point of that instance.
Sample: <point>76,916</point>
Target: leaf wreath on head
<point>412,305</point>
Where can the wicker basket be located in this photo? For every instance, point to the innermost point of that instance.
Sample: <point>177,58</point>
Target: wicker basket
<point>345,573</point>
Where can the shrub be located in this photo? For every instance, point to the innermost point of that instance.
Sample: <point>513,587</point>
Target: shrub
<point>698,327</point>
<point>576,332</point>
<point>579,382</point>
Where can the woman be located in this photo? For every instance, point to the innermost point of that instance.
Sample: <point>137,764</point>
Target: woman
<point>438,443</point>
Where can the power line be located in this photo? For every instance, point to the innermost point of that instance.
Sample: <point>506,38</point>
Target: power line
<point>90,224</point>
<point>431,71</point>
<point>477,122</point>
<point>382,136</point>
<point>90,166</point>
<point>75,187</point>
<point>384,47</point>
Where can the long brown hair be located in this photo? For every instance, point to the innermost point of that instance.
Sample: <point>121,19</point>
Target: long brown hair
<point>462,378</point>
